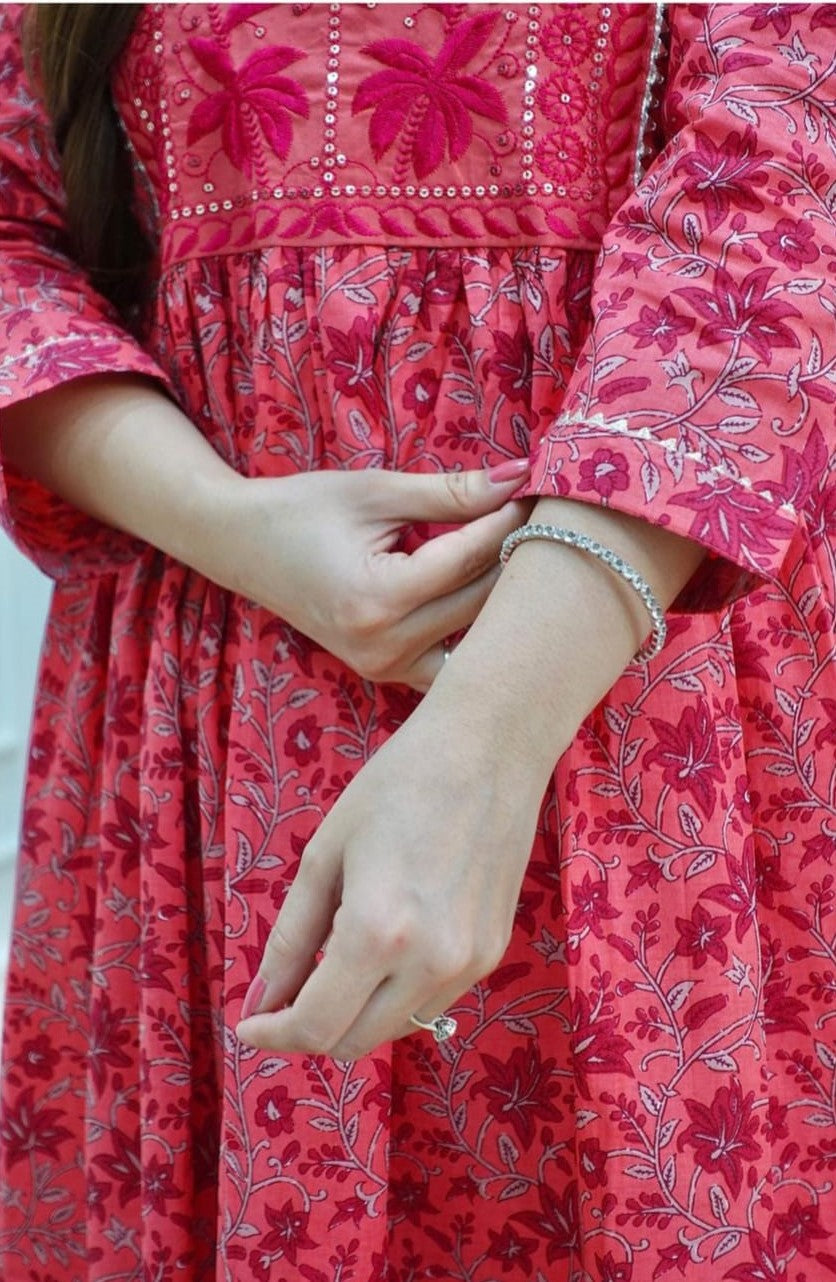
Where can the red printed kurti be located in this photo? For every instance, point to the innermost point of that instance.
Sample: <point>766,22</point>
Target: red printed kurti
<point>412,237</point>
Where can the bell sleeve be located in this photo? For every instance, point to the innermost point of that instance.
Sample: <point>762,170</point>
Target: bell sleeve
<point>703,399</point>
<point>53,326</point>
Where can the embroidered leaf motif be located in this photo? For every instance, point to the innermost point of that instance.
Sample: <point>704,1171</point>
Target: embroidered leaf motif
<point>252,97</point>
<point>428,102</point>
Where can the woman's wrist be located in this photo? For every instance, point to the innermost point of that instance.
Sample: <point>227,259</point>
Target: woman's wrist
<point>556,633</point>
<point>252,540</point>
<point>517,677</point>
<point>216,534</point>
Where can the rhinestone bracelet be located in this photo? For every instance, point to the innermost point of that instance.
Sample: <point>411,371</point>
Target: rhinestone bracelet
<point>575,540</point>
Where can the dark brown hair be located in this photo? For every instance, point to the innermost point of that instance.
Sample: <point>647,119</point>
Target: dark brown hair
<point>71,50</point>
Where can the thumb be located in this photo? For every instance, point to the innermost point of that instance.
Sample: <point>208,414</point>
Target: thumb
<point>450,497</point>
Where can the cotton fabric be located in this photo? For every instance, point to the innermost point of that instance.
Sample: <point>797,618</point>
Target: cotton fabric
<point>646,1083</point>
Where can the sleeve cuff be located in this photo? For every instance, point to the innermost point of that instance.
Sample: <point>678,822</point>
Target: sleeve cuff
<point>62,541</point>
<point>746,528</point>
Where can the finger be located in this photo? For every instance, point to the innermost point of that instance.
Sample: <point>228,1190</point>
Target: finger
<point>329,1002</point>
<point>299,932</point>
<point>386,1015</point>
<point>451,560</point>
<point>443,619</point>
<point>425,670</point>
<point>450,496</point>
<point>428,668</point>
<point>430,979</point>
<point>430,623</point>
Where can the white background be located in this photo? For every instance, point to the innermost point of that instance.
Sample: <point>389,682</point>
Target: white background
<point>24,595</point>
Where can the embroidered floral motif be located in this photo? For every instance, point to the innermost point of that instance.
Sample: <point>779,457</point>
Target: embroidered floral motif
<point>567,37</point>
<point>455,103</point>
<point>254,97</point>
<point>429,102</point>
<point>562,155</point>
<point>563,98</point>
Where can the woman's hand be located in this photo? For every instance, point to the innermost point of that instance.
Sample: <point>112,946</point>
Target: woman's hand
<point>414,876</point>
<point>412,881</point>
<point>320,549</point>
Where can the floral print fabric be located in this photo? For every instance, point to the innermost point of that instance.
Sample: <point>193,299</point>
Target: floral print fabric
<point>645,1085</point>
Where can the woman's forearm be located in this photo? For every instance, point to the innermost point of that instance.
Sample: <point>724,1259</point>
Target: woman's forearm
<point>119,449</point>
<point>554,636</point>
<point>558,630</point>
<point>319,549</point>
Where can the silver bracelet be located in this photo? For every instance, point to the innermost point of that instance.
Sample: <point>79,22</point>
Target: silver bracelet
<point>555,534</point>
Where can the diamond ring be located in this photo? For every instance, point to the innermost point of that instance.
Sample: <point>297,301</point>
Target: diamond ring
<point>442,1027</point>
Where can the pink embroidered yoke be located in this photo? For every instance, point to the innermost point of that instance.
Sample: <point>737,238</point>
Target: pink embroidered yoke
<point>433,237</point>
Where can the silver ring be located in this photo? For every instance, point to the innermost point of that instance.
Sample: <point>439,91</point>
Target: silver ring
<point>446,649</point>
<point>442,1027</point>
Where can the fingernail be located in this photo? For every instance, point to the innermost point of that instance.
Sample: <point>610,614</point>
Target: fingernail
<point>511,470</point>
<point>254,997</point>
